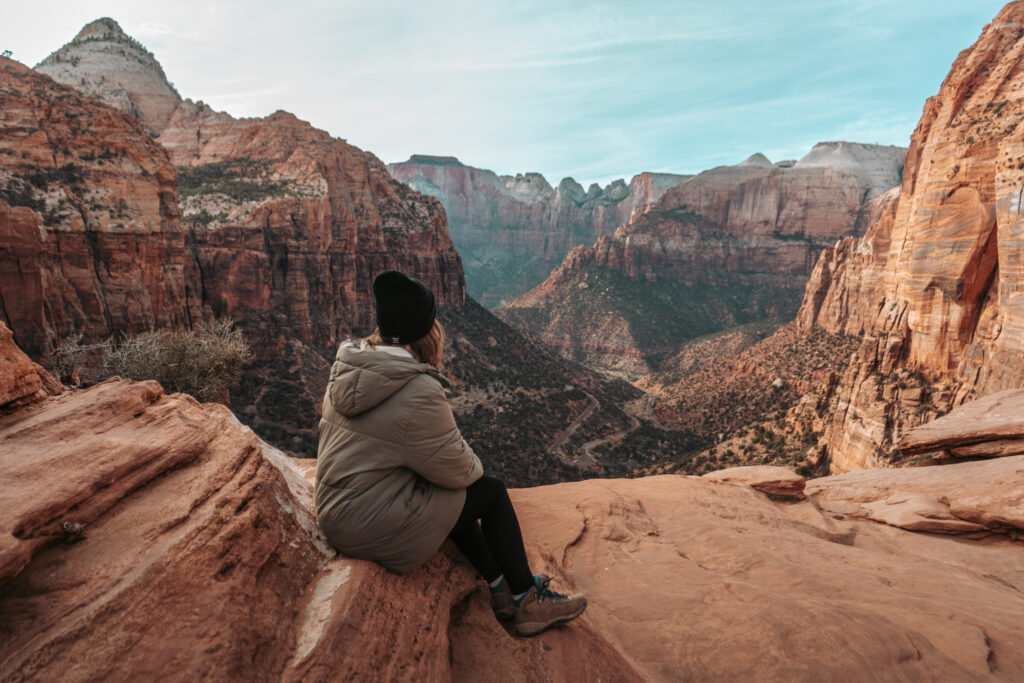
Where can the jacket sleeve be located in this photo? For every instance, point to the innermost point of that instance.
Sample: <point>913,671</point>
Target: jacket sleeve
<point>436,450</point>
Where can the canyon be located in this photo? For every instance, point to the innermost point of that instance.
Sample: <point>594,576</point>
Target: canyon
<point>730,246</point>
<point>144,534</point>
<point>512,230</point>
<point>111,227</point>
<point>922,310</point>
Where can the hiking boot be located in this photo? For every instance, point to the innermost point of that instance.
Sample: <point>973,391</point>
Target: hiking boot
<point>501,602</point>
<point>542,608</point>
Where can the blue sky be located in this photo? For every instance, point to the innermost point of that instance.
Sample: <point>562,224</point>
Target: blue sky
<point>595,91</point>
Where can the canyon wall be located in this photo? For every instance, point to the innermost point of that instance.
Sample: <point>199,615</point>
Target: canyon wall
<point>105,231</point>
<point>281,227</point>
<point>511,230</point>
<point>732,245</point>
<point>90,234</point>
<point>936,285</point>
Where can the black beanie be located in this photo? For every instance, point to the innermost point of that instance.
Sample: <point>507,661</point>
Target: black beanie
<point>405,307</point>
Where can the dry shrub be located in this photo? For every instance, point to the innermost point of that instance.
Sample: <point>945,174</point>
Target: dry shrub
<point>75,363</point>
<point>206,362</point>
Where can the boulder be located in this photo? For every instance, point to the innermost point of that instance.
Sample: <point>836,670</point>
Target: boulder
<point>776,481</point>
<point>972,496</point>
<point>21,381</point>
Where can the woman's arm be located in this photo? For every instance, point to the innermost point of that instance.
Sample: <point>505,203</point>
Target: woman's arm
<point>435,447</point>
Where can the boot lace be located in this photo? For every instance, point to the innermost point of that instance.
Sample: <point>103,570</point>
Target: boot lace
<point>544,593</point>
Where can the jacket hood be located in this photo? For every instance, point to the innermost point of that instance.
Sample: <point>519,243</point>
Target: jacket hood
<point>362,379</point>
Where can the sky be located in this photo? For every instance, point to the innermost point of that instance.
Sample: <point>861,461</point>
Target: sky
<point>591,90</point>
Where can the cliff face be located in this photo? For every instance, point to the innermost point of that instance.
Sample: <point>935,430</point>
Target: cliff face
<point>147,536</point>
<point>281,227</point>
<point>104,61</point>
<point>935,286</point>
<point>731,245</point>
<point>509,230</point>
<point>90,234</point>
<point>284,228</point>
<point>288,227</point>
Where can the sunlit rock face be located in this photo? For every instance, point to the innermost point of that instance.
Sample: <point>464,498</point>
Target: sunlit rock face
<point>936,285</point>
<point>732,245</point>
<point>512,230</point>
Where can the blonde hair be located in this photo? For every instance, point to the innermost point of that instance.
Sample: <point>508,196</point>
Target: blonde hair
<point>428,349</point>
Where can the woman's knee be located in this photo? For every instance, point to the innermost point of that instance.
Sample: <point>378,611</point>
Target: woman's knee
<point>492,487</point>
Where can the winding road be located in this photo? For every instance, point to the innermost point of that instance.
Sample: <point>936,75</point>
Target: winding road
<point>586,457</point>
<point>571,429</point>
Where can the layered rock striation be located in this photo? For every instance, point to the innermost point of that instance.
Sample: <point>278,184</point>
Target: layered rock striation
<point>935,285</point>
<point>732,245</point>
<point>148,536</point>
<point>268,221</point>
<point>510,230</point>
<point>90,234</point>
<point>281,227</point>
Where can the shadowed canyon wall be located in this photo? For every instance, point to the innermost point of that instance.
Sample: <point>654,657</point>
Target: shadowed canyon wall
<point>511,230</point>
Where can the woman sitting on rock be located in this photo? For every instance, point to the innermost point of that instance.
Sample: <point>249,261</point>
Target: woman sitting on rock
<point>394,476</point>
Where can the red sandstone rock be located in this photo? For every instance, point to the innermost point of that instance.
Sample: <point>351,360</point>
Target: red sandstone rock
<point>752,226</point>
<point>993,425</point>
<point>197,557</point>
<point>777,481</point>
<point>986,495</point>
<point>21,381</point>
<point>935,286</point>
<point>96,245</point>
<point>148,536</point>
<point>500,220</point>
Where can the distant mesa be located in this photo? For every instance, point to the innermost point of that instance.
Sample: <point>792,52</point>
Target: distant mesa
<point>433,160</point>
<point>512,229</point>
<point>757,160</point>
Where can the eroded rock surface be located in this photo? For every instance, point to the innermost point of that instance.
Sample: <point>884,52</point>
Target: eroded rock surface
<point>935,285</point>
<point>90,235</point>
<point>148,536</point>
<point>989,426</point>
<point>777,481</point>
<point>22,382</point>
<point>971,496</point>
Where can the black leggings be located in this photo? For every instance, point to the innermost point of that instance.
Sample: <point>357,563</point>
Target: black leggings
<point>494,546</point>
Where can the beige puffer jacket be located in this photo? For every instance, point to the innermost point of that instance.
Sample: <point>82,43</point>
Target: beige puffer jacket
<point>392,467</point>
